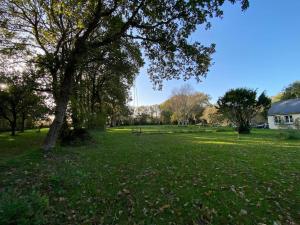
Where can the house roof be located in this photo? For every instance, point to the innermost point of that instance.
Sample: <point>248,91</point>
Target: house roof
<point>291,106</point>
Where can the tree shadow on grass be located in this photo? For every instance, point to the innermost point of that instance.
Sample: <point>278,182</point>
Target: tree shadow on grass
<point>21,143</point>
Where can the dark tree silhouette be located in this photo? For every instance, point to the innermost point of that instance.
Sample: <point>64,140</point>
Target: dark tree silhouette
<point>239,106</point>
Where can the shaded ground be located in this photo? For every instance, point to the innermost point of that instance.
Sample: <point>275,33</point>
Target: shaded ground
<point>166,175</point>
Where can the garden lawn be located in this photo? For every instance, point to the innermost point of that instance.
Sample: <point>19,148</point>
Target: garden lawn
<point>165,175</point>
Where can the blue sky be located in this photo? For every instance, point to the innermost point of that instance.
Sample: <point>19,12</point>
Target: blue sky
<point>258,49</point>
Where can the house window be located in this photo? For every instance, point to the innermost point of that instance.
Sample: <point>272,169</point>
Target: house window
<point>288,119</point>
<point>277,119</point>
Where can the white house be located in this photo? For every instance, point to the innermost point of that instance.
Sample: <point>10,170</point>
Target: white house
<point>284,114</point>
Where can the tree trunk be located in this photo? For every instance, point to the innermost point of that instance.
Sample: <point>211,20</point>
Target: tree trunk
<point>13,123</point>
<point>56,125</point>
<point>244,128</point>
<point>113,122</point>
<point>61,107</point>
<point>65,91</point>
<point>13,126</point>
<point>22,128</point>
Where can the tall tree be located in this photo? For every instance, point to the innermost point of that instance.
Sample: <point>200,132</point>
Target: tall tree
<point>102,86</point>
<point>186,105</point>
<point>165,112</point>
<point>292,91</point>
<point>180,104</point>
<point>198,102</point>
<point>265,102</point>
<point>63,33</point>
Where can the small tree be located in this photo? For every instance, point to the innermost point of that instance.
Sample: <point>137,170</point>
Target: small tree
<point>19,101</point>
<point>239,106</point>
<point>32,106</point>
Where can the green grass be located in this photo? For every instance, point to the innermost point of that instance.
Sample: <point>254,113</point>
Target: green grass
<point>166,175</point>
<point>22,142</point>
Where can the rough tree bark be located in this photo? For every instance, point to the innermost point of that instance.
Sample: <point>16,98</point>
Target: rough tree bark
<point>57,123</point>
<point>66,85</point>
<point>13,122</point>
<point>62,103</point>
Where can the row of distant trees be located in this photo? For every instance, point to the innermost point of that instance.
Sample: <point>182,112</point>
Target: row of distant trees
<point>21,107</point>
<point>27,101</point>
<point>239,107</point>
<point>185,106</point>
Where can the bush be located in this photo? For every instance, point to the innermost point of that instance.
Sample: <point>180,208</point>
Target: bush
<point>23,210</point>
<point>76,137</point>
<point>290,135</point>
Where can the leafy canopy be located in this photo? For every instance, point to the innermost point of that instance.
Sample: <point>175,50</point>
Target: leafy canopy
<point>239,106</point>
<point>58,29</point>
<point>292,91</point>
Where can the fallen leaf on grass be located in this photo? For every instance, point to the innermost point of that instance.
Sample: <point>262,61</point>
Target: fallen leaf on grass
<point>161,209</point>
<point>243,212</point>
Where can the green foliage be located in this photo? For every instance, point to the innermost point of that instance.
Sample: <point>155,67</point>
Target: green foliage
<point>97,120</point>
<point>147,115</point>
<point>277,97</point>
<point>152,24</point>
<point>265,103</point>
<point>166,112</point>
<point>297,123</point>
<point>289,135</point>
<point>23,209</point>
<point>292,91</point>
<point>240,105</point>
<point>224,130</point>
<point>19,101</point>
<point>104,85</point>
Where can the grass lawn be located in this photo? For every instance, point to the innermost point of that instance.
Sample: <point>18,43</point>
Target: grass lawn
<point>166,175</point>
